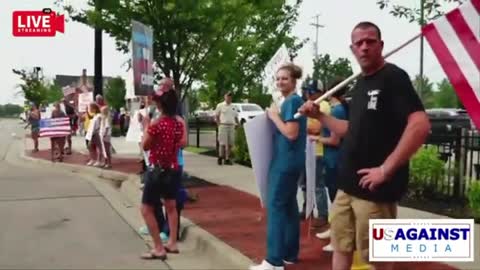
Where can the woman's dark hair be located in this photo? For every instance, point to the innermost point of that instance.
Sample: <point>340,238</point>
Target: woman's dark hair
<point>168,102</point>
<point>340,94</point>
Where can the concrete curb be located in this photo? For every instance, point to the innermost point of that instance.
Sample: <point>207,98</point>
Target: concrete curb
<point>129,186</point>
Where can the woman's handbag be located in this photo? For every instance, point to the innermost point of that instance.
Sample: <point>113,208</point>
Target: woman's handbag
<point>159,175</point>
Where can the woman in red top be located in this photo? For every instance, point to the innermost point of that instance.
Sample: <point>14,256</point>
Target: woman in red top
<point>162,137</point>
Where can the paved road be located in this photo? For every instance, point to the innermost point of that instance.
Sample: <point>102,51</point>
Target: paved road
<point>55,220</point>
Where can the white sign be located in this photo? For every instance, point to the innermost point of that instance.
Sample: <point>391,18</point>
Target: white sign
<point>67,90</point>
<point>440,240</point>
<point>280,58</point>
<point>259,134</point>
<point>310,175</point>
<point>84,100</point>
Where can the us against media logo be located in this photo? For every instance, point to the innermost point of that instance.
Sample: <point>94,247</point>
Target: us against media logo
<point>40,23</point>
<point>439,240</point>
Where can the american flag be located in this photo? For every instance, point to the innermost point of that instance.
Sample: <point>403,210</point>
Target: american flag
<point>455,40</point>
<point>55,127</point>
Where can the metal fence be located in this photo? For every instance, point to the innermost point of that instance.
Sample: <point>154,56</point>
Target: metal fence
<point>202,134</point>
<point>460,150</point>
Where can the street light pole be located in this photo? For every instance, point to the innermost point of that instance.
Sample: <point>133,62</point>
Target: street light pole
<point>98,77</point>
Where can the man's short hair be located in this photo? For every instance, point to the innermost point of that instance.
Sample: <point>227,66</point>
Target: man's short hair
<point>365,24</point>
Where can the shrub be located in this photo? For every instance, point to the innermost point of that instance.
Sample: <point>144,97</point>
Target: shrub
<point>474,198</point>
<point>425,167</point>
<point>240,149</point>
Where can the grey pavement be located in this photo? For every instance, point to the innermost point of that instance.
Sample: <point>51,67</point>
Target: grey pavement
<point>50,219</point>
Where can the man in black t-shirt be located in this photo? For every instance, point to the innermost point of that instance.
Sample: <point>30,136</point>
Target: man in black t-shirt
<point>387,125</point>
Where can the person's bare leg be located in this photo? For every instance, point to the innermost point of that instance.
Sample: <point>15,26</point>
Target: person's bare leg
<point>35,141</point>
<point>227,151</point>
<point>171,208</point>
<point>342,260</point>
<point>52,149</point>
<point>151,222</point>
<point>108,151</point>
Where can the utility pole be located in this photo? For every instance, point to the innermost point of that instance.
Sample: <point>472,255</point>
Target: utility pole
<point>317,25</point>
<point>422,23</point>
<point>98,77</point>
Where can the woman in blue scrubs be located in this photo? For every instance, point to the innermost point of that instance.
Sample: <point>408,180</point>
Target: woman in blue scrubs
<point>288,161</point>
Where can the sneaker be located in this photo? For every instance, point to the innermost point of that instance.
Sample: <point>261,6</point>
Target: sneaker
<point>97,164</point>
<point>164,237</point>
<point>323,235</point>
<point>266,266</point>
<point>90,163</point>
<point>143,230</point>
<point>328,248</point>
<point>289,262</point>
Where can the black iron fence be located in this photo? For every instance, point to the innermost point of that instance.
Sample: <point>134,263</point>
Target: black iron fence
<point>202,134</point>
<point>459,149</point>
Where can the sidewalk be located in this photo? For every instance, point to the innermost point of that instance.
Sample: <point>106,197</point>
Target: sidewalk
<point>230,209</point>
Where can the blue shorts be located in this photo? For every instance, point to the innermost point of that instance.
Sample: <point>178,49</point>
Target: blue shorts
<point>154,190</point>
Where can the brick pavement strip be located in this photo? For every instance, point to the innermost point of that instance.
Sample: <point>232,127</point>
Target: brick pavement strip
<point>231,218</point>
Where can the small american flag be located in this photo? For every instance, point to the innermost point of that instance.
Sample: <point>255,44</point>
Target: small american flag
<point>55,127</point>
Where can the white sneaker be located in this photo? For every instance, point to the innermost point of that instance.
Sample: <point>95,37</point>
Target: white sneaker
<point>97,164</point>
<point>90,163</point>
<point>328,248</point>
<point>323,235</point>
<point>266,266</point>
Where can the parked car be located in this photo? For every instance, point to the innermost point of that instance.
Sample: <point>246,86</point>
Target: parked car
<point>449,118</point>
<point>247,111</point>
<point>205,116</point>
<point>446,124</point>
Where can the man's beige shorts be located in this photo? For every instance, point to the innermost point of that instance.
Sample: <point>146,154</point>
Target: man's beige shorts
<point>349,221</point>
<point>226,134</point>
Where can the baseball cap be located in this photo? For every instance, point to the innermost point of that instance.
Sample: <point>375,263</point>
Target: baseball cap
<point>313,86</point>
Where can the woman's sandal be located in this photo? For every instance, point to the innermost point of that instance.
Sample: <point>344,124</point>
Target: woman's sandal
<point>173,251</point>
<point>152,256</point>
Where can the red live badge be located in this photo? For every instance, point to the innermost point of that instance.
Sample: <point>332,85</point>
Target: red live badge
<point>44,23</point>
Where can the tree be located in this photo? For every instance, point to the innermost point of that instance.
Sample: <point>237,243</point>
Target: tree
<point>9,110</point>
<point>446,97</point>
<point>35,88</point>
<point>427,94</point>
<point>115,93</point>
<point>326,69</point>
<point>193,38</point>
<point>243,58</point>
<point>432,9</point>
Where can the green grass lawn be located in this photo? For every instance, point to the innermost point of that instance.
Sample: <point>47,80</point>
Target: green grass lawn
<point>197,150</point>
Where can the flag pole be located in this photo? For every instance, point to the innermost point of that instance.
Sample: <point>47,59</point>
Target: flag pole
<point>355,75</point>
